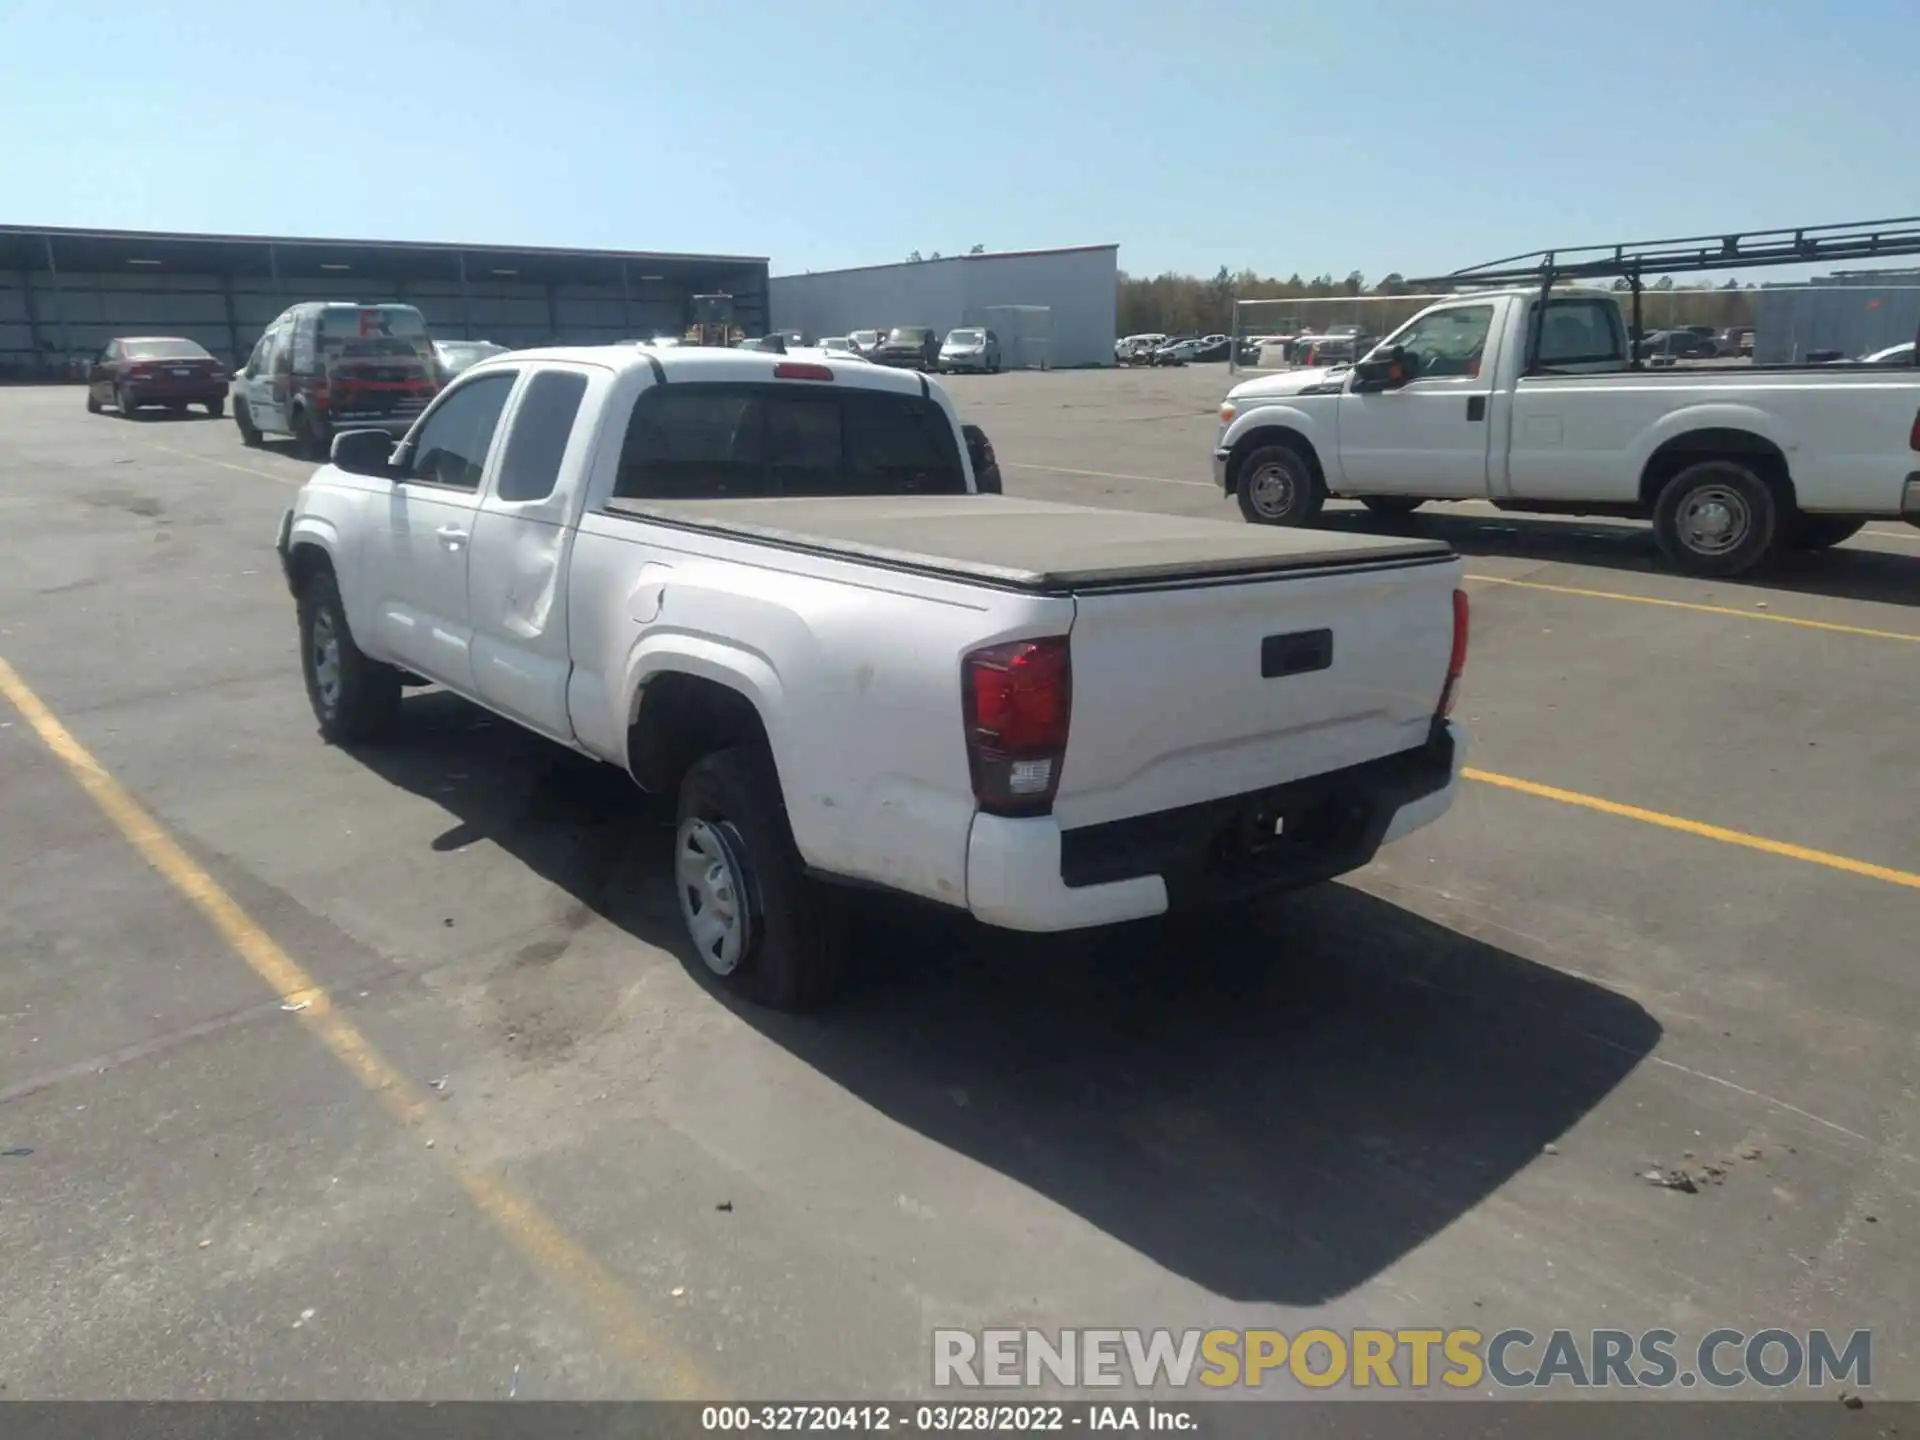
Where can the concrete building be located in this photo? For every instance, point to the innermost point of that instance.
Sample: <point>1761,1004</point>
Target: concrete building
<point>1051,308</point>
<point>65,293</point>
<point>1853,312</point>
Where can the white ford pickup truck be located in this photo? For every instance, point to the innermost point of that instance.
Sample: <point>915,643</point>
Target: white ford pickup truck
<point>1456,405</point>
<point>772,588</point>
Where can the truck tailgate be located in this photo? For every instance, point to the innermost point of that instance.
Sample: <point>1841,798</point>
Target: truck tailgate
<point>1190,692</point>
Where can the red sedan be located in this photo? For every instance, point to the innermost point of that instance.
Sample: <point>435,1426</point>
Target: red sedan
<point>155,370</point>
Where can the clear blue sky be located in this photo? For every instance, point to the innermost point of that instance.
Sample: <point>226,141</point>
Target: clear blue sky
<point>1326,136</point>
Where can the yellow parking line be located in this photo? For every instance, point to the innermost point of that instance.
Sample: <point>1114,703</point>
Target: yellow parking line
<point>223,464</point>
<point>1703,609</point>
<point>1695,827</point>
<point>562,1260</point>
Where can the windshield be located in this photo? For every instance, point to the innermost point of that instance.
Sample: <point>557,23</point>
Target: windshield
<point>164,350</point>
<point>864,337</point>
<point>908,334</point>
<point>373,330</point>
<point>967,337</point>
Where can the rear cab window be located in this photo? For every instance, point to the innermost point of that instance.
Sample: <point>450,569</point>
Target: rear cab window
<point>1580,332</point>
<point>730,441</point>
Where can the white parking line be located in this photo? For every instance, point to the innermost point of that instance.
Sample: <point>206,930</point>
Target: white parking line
<point>1105,474</point>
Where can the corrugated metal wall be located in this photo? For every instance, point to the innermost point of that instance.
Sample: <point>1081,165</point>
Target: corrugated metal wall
<point>77,313</point>
<point>1078,289</point>
<point>1854,314</point>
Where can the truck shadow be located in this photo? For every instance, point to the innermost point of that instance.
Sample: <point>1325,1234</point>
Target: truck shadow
<point>1849,572</point>
<point>1276,1104</point>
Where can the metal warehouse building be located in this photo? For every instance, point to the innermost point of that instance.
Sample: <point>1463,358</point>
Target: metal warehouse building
<point>65,293</point>
<point>1854,312</point>
<point>1049,307</point>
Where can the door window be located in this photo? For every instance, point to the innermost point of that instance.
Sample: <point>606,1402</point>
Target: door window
<point>530,467</point>
<point>1447,343</point>
<point>1580,332</point>
<point>451,446</point>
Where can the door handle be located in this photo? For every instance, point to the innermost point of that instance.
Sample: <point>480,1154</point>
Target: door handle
<point>1476,408</point>
<point>451,536</point>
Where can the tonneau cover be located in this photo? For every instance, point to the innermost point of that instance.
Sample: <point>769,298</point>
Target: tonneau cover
<point>1029,544</point>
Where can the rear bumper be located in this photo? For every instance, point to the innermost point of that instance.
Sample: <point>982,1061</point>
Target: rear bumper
<point>160,392</point>
<point>1031,875</point>
<point>1220,459</point>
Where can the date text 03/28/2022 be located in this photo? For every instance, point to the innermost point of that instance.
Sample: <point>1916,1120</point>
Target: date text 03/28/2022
<point>965,1418</point>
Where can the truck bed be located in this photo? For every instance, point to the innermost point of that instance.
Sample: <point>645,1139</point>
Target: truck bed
<point>1031,545</point>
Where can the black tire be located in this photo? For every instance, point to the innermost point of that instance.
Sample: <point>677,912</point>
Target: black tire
<point>243,418</point>
<point>310,437</point>
<point>790,953</point>
<point>93,402</point>
<point>1391,504</point>
<point>365,694</point>
<point>1717,518</point>
<point>217,408</point>
<point>124,403</point>
<point>1821,532</point>
<point>1279,486</point>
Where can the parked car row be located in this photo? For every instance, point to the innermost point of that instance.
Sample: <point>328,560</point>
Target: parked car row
<point>969,348</point>
<point>319,368</point>
<point>1156,349</point>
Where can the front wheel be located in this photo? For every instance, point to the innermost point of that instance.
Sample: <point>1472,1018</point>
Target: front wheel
<point>309,436</point>
<point>1821,532</point>
<point>124,402</point>
<point>217,408</point>
<point>1716,519</point>
<point>759,925</point>
<point>1391,504</point>
<point>93,403</point>
<point>1279,487</point>
<point>353,698</point>
<point>243,418</point>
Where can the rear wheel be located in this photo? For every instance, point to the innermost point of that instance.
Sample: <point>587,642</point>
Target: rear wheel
<point>353,698</point>
<point>217,407</point>
<point>1717,518</point>
<point>93,402</point>
<point>176,407</point>
<point>1821,532</point>
<point>243,418</point>
<point>309,435</point>
<point>124,402</point>
<point>759,925</point>
<point>1391,504</point>
<point>1279,487</point>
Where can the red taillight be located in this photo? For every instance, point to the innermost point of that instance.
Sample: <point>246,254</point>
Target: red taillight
<point>1457,661</point>
<point>1913,435</point>
<point>799,370</point>
<point>142,372</point>
<point>1017,700</point>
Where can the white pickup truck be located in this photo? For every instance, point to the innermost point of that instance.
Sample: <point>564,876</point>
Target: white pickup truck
<point>1728,464</point>
<point>772,587</point>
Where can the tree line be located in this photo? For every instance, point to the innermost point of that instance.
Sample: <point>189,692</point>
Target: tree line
<point>1174,304</point>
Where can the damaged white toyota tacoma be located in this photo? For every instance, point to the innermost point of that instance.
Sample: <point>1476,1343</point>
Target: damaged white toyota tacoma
<point>773,588</point>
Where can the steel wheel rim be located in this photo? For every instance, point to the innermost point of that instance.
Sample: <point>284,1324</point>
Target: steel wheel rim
<point>1271,489</point>
<point>1714,520</point>
<point>326,660</point>
<point>712,885</point>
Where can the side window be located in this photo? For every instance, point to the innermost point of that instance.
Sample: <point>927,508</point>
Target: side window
<point>304,354</point>
<point>451,448</point>
<point>531,465</point>
<point>1580,332</point>
<point>899,446</point>
<point>278,356</point>
<point>1448,343</point>
<point>692,442</point>
<point>105,357</point>
<point>256,360</point>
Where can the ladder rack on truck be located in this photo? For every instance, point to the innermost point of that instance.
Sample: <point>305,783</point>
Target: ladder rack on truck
<point>1684,255</point>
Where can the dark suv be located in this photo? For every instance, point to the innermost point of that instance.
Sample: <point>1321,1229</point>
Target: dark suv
<point>910,347</point>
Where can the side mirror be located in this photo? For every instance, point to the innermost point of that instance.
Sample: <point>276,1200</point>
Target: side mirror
<point>986,468</point>
<point>1384,370</point>
<point>363,452</point>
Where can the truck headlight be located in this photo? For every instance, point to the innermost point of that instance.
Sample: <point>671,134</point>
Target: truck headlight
<point>1227,411</point>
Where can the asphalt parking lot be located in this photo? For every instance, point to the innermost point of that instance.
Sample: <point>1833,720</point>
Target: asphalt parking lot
<point>379,1075</point>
